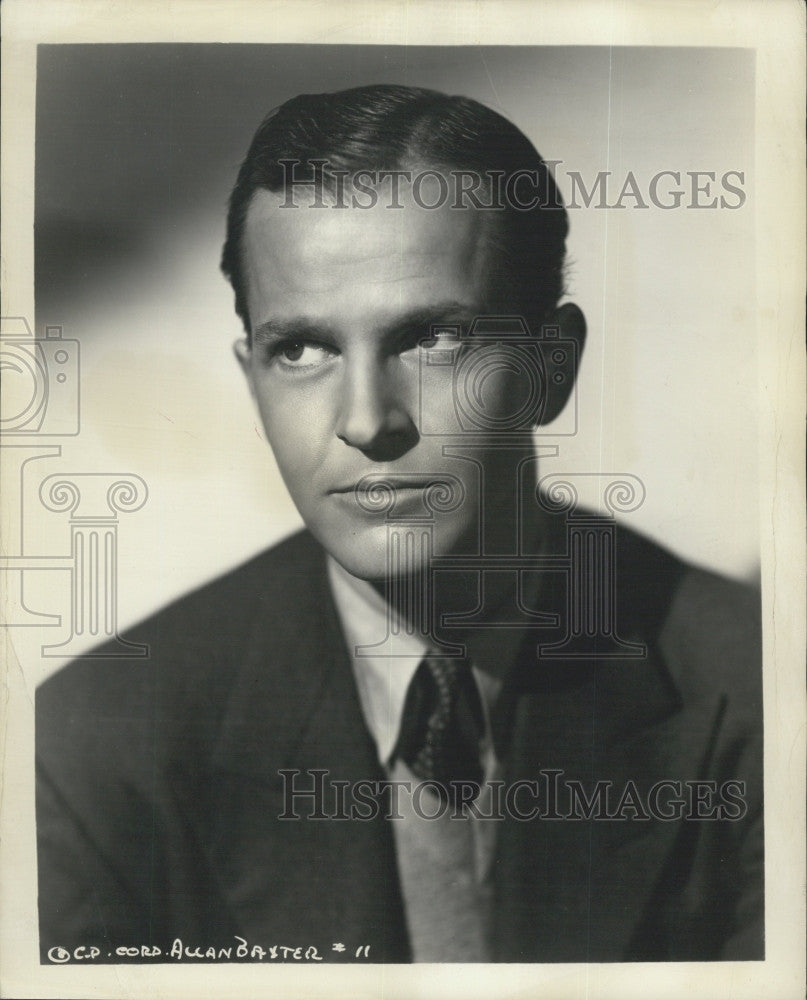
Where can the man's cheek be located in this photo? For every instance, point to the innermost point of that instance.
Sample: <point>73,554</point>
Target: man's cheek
<point>286,423</point>
<point>436,413</point>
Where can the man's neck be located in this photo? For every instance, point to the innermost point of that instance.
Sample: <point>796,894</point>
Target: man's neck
<point>455,592</point>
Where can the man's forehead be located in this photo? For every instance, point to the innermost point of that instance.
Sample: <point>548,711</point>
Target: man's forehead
<point>357,268</point>
<point>277,224</point>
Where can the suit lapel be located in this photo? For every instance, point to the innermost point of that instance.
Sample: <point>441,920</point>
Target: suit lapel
<point>294,708</point>
<point>571,890</point>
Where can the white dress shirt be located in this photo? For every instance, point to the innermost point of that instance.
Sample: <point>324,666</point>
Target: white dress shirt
<point>444,864</point>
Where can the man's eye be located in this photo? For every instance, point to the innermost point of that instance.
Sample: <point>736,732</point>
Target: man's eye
<point>301,354</point>
<point>293,351</point>
<point>442,340</point>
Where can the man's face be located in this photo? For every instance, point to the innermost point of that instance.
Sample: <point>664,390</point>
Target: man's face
<point>340,301</point>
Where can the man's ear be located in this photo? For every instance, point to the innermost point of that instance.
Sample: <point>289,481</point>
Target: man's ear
<point>243,354</point>
<point>561,359</point>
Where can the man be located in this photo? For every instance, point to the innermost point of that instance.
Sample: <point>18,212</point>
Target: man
<point>455,719</point>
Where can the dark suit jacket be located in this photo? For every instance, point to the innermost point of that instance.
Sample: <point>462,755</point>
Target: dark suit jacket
<point>158,792</point>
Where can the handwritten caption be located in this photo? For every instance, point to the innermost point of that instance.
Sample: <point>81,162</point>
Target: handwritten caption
<point>242,950</point>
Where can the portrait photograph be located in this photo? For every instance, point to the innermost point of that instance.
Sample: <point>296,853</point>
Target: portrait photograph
<point>403,500</point>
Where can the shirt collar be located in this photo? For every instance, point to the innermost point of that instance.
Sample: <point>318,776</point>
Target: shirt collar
<point>382,677</point>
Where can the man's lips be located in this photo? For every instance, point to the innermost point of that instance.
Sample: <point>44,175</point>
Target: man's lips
<point>375,482</point>
<point>376,493</point>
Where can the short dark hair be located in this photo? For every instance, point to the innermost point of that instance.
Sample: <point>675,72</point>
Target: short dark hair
<point>387,127</point>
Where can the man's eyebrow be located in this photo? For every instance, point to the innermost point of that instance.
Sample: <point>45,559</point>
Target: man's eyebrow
<point>451,312</point>
<point>295,326</point>
<point>422,318</point>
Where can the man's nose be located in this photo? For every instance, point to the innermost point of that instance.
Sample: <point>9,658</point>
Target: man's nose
<point>375,414</point>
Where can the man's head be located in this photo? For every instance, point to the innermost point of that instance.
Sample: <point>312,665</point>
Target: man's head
<point>391,128</point>
<point>339,295</point>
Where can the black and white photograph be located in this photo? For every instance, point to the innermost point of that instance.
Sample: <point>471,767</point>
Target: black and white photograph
<point>400,445</point>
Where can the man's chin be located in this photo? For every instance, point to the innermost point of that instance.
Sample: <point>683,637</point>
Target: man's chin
<point>372,562</point>
<point>382,553</point>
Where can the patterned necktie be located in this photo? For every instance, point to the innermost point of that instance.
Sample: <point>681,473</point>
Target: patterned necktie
<point>442,724</point>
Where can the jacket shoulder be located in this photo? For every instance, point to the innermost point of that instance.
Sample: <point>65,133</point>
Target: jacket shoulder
<point>712,638</point>
<point>195,643</point>
<point>274,577</point>
<point>706,626</point>
<point>671,594</point>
